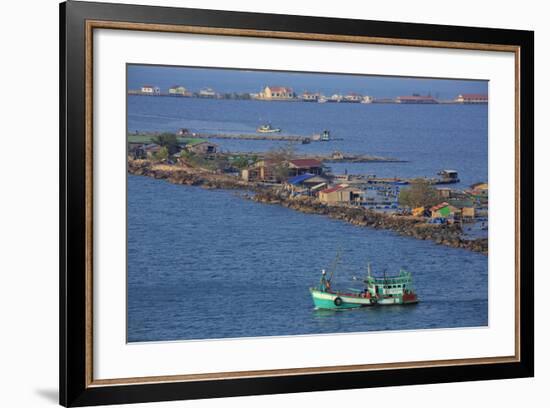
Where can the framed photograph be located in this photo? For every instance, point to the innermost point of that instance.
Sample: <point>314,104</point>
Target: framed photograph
<point>257,204</point>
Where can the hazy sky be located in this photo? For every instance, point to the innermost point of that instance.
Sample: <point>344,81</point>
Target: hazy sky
<point>229,80</point>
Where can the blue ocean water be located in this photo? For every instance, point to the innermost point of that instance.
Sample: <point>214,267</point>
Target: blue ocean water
<point>206,264</point>
<point>429,137</point>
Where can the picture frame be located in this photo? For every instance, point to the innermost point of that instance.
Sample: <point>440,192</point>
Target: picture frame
<point>78,20</point>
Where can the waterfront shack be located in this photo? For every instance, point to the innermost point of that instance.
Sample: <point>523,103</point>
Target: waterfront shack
<point>479,189</point>
<point>309,97</point>
<point>303,166</point>
<point>444,210</point>
<point>249,173</point>
<point>466,208</point>
<point>277,171</point>
<point>207,93</point>
<point>151,150</point>
<point>202,147</point>
<point>306,183</point>
<point>418,212</point>
<point>468,213</point>
<point>479,192</point>
<point>339,194</point>
<point>443,192</point>
<point>178,90</point>
<point>353,97</point>
<point>150,90</point>
<point>262,170</point>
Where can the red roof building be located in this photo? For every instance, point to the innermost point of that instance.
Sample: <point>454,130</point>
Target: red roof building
<point>304,163</point>
<point>333,189</point>
<point>277,92</point>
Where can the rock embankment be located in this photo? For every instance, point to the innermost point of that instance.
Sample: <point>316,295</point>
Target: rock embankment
<point>185,175</point>
<point>449,235</point>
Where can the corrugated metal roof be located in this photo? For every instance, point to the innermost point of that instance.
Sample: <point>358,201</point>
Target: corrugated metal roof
<point>298,179</point>
<point>439,206</point>
<point>199,142</point>
<point>333,189</point>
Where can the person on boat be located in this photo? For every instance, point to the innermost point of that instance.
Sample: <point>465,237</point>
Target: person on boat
<point>325,283</point>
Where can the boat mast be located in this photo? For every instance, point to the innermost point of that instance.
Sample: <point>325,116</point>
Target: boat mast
<point>334,264</point>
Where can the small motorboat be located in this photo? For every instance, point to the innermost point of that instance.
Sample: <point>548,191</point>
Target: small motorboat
<point>268,129</point>
<point>322,137</point>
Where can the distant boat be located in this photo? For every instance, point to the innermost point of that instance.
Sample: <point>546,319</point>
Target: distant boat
<point>322,99</point>
<point>267,129</point>
<point>321,137</point>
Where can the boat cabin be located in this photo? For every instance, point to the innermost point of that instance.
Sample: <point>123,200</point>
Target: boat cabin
<point>449,174</point>
<point>390,286</point>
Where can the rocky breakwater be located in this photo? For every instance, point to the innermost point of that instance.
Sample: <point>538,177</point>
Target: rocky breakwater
<point>449,235</point>
<point>178,174</point>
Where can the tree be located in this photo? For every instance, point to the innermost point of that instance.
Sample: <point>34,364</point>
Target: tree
<point>162,153</point>
<point>242,162</point>
<point>221,164</point>
<point>168,140</point>
<point>419,194</point>
<point>278,158</point>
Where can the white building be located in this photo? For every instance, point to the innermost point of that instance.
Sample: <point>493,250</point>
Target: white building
<point>207,93</point>
<point>367,99</point>
<point>149,89</point>
<point>177,90</point>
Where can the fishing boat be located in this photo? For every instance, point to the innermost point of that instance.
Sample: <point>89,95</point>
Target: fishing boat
<point>385,290</point>
<point>267,129</point>
<point>325,136</point>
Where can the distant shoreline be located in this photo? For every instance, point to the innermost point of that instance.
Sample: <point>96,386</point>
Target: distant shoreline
<point>241,97</point>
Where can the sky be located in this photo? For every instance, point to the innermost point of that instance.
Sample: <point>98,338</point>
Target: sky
<point>230,80</point>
